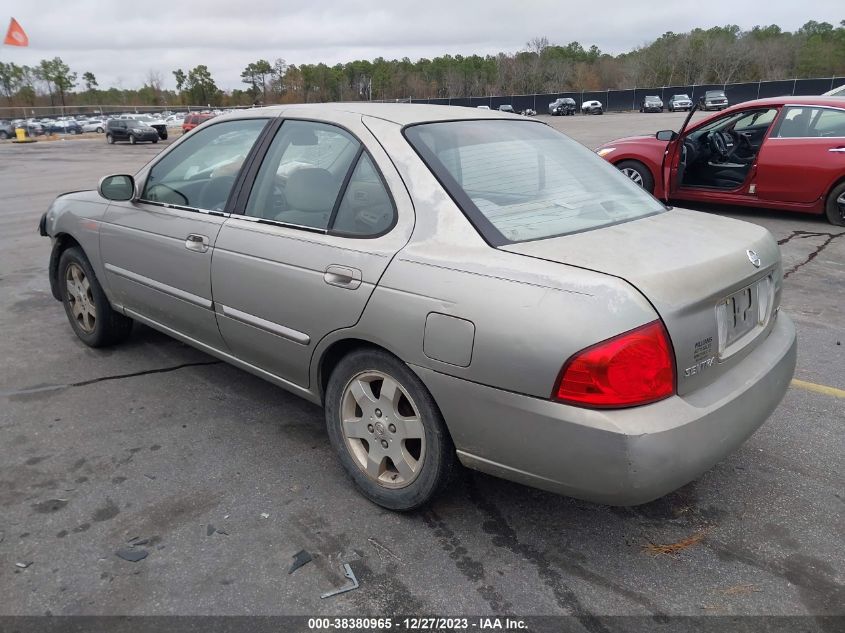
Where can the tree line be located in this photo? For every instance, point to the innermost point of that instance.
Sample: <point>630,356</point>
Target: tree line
<point>717,55</point>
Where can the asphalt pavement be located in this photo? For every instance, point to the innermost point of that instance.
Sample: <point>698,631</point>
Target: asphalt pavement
<point>226,477</point>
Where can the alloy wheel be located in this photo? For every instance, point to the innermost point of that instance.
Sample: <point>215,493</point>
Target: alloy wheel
<point>633,174</point>
<point>80,299</point>
<point>383,429</point>
<point>840,202</point>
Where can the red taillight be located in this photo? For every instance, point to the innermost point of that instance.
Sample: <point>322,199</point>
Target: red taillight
<point>634,368</point>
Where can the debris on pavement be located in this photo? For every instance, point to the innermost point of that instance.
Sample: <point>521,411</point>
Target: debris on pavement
<point>132,555</point>
<point>264,515</point>
<point>209,529</point>
<point>23,565</point>
<point>672,549</point>
<point>136,541</point>
<point>299,559</point>
<point>223,532</point>
<point>382,549</point>
<point>349,586</point>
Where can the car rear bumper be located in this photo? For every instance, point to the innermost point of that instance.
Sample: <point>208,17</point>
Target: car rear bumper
<point>617,457</point>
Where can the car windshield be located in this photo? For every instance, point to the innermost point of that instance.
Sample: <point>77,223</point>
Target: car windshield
<point>136,123</point>
<point>682,97</point>
<point>520,181</point>
<point>714,93</point>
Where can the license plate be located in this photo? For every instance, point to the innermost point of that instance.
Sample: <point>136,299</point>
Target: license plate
<point>741,312</point>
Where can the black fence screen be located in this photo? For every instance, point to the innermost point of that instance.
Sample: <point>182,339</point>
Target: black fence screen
<point>622,100</point>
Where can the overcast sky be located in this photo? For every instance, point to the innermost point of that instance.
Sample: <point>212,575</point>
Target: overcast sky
<point>121,41</point>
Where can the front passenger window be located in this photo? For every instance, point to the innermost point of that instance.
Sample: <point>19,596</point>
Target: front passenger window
<point>201,171</point>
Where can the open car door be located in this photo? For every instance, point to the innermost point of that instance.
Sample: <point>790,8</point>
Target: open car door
<point>674,159</point>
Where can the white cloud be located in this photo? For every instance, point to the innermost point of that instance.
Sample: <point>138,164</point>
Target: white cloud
<point>122,41</point>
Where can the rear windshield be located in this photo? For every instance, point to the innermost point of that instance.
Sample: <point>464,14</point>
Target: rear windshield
<point>518,181</point>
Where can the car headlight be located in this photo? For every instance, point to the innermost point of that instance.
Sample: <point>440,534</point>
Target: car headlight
<point>137,130</point>
<point>604,151</point>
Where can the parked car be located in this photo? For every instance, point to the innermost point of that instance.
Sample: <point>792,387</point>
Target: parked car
<point>424,281</point>
<point>528,112</point>
<point>130,130</point>
<point>193,120</point>
<point>156,122</point>
<point>174,120</point>
<point>651,104</point>
<point>483,107</point>
<point>7,130</point>
<point>592,107</point>
<point>94,125</point>
<point>563,106</point>
<point>836,92</point>
<point>783,153</point>
<point>713,100</point>
<point>507,108</point>
<point>61,126</point>
<point>679,102</point>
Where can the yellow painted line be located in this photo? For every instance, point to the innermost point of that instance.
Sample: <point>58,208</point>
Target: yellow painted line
<point>811,386</point>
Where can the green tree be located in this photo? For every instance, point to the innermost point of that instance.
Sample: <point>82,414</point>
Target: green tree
<point>11,79</point>
<point>200,84</point>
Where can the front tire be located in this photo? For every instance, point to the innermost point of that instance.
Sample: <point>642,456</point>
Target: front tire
<point>132,139</point>
<point>637,172</point>
<point>835,205</point>
<point>109,139</point>
<point>387,430</point>
<point>86,305</point>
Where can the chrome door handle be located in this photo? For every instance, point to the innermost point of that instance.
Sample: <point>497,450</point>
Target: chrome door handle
<point>198,243</point>
<point>342,277</point>
<point>837,149</point>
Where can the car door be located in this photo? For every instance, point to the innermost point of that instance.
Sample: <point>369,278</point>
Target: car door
<point>325,215</point>
<point>803,156</point>
<point>157,249</point>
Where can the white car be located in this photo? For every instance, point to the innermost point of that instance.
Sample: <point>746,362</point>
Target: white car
<point>94,125</point>
<point>592,107</point>
<point>836,92</point>
<point>174,120</point>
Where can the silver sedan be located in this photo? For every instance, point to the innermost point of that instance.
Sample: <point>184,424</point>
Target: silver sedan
<point>453,285</point>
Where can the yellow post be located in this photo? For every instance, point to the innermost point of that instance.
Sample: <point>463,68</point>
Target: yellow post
<point>20,133</point>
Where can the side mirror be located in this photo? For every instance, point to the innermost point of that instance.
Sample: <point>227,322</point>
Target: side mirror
<point>666,135</point>
<point>118,187</point>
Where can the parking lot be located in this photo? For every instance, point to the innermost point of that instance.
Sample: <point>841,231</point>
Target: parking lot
<point>228,476</point>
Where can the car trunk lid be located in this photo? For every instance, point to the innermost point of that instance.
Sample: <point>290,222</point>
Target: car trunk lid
<point>696,270</point>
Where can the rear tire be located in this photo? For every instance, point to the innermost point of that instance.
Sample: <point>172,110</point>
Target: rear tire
<point>637,172</point>
<point>88,309</point>
<point>406,429</point>
<point>835,206</point>
<point>132,139</point>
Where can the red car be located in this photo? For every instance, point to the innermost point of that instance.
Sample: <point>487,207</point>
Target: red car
<point>785,153</point>
<point>193,120</point>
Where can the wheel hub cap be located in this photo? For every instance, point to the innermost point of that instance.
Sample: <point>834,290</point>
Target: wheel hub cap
<point>382,429</point>
<point>80,299</point>
<point>634,175</point>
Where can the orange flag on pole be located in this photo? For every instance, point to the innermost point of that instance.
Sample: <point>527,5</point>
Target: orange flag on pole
<point>15,36</point>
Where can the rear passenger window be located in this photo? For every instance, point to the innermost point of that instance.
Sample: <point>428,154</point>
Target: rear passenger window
<point>301,176</point>
<point>366,208</point>
<point>803,121</point>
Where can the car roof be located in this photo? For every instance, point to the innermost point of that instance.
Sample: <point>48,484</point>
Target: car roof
<point>400,113</point>
<point>809,100</point>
